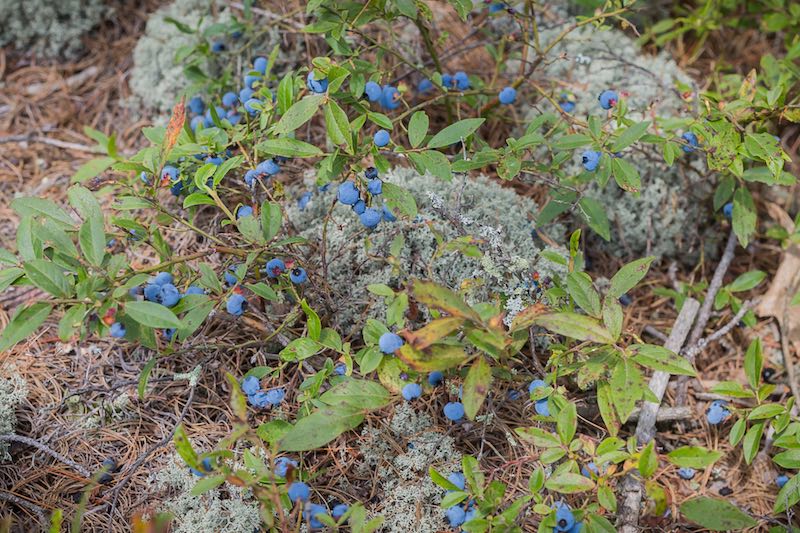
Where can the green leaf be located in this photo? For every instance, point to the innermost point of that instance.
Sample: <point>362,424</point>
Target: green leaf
<point>716,515</point>
<point>753,362</point>
<point>476,387</point>
<point>300,113</point>
<point>198,198</point>
<point>312,321</point>
<point>418,128</point>
<point>36,207</point>
<point>288,147</point>
<point>48,276</point>
<point>455,132</point>
<point>570,142</point>
<point>579,286</point>
<point>594,214</point>
<point>300,349</point>
<point>693,457</point>
<point>381,120</point>
<point>751,441</point>
<point>436,357</point>
<point>660,358</point>
<point>399,199</point>
<point>92,238</point>
<point>207,483</point>
<point>612,317</point>
<point>569,483</point>
<point>271,219</point>
<point>788,496</point>
<point>144,376</point>
<point>71,321</point>
<point>737,432</point>
<point>538,437</point>
<point>25,321</point>
<point>320,428</point>
<point>630,135</point>
<point>648,460</point>
<point>338,126</point>
<point>92,168</point>
<point>432,161</point>
<point>575,326</point>
<point>628,276</point>
<point>567,423</point>
<point>626,175</point>
<point>747,281</point>
<point>358,394</point>
<point>790,459</point>
<point>744,215</point>
<point>439,297</point>
<point>626,388</point>
<point>767,410</point>
<point>152,315</point>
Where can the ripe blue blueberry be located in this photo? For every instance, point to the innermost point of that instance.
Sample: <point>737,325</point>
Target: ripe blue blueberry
<point>717,412</point>
<point>205,466</point>
<point>497,7</point>
<point>229,99</point>
<point>282,465</point>
<point>316,86</point>
<point>461,80</point>
<point>411,391</point>
<point>246,94</point>
<point>194,289</point>
<point>259,400</point>
<point>566,102</point>
<point>514,395</point>
<point>311,513</point>
<point>390,342</point>
<point>608,99</point>
<point>252,105</point>
<point>589,469</point>
<point>390,98</point>
<point>152,292</point>
<point>304,200</point>
<point>457,479</point>
<point>507,95</point>
<point>276,396</point>
<point>251,385</point>
<point>170,295</point>
<point>625,300</point>
<point>244,211</point>
<point>299,491</point>
<point>686,472</point>
<point>217,47</point>
<point>455,515</point>
<point>169,173</point>
<point>472,513</point>
<point>214,160</point>
<point>564,517</point>
<point>250,177</point>
<point>298,275</point>
<point>250,80</point>
<point>535,384</point>
<point>176,189</point>
<point>371,173</point>
<point>340,369</point>
<point>375,186</point>
<point>339,510</point>
<point>196,121</point>
<point>424,86</point>
<point>691,139</point>
<point>388,216</point>
<point>373,91</point>
<point>136,291</point>
<point>268,167</point>
<point>117,330</point>
<point>236,304</point>
<point>359,207</point>
<point>542,407</point>
<point>347,193</point>
<point>435,378</point>
<point>781,480</point>
<point>447,81</point>
<point>196,105</point>
<point>162,278</point>
<point>727,210</point>
<point>168,333</point>
<point>381,138</point>
<point>275,267</point>
<point>590,160</point>
<point>230,276</point>
<point>371,217</point>
<point>454,411</point>
<point>260,64</point>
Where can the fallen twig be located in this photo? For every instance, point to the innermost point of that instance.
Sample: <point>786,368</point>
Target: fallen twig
<point>38,511</point>
<point>11,437</point>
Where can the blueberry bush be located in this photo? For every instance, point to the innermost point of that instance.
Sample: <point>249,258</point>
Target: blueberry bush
<point>406,231</point>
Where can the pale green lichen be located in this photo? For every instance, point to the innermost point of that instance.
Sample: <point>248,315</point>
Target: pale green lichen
<point>496,218</point>
<point>53,28</point>
<point>13,391</point>
<point>409,500</point>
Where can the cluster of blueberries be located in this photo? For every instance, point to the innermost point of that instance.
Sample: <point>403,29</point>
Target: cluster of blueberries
<point>300,492</point>
<point>349,194</point>
<point>458,514</point>
<point>161,290</point>
<point>237,303</point>
<point>261,399</point>
<point>565,520</point>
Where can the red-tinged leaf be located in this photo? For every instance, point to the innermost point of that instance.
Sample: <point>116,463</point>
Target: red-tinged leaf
<point>476,387</point>
<point>175,126</point>
<point>436,357</point>
<point>526,317</point>
<point>432,332</point>
<point>439,297</point>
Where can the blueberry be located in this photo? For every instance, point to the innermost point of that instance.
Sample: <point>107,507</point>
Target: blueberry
<point>388,216</point>
<point>359,207</point>
<point>686,473</point>
<point>472,513</point>
<point>168,333</point>
<point>340,369</point>
<point>375,186</point>
<point>497,7</point>
<point>250,385</point>
<point>229,99</point>
<point>424,86</point>
<point>276,396</point>
<point>371,217</point>
<point>162,278</point>
<point>214,160</point>
<point>727,210</point>
<point>577,528</point>
<point>339,510</point>
<point>625,300</point>
<point>373,91</point>
<point>371,173</point>
<point>316,86</point>
<point>194,289</point>
<point>381,138</point>
<point>170,295</point>
<point>196,105</point>
<point>244,211</point>
<point>246,94</point>
<point>230,276</point>
<point>169,173</point>
<point>304,200</point>
<point>514,395</point>
<point>250,80</point>
<point>260,65</point>
<point>454,411</point>
<point>435,378</point>
<point>275,267</point>
<point>717,412</point>
<point>299,491</point>
<point>259,400</point>
<point>390,342</point>
<point>447,81</point>
<point>282,465</point>
<point>311,512</point>
<point>564,517</point>
<point>691,139</point>
<point>251,106</point>
<point>412,391</point>
<point>781,480</point>
<point>136,291</point>
<point>542,407</point>
<point>117,330</point>
<point>390,98</point>
<point>152,292</point>
<point>455,515</point>
<point>347,193</point>
<point>589,469</point>
<point>236,304</point>
<point>457,479</point>
<point>590,160</point>
<point>217,47</point>
<point>205,466</point>
<point>176,189</point>
<point>608,99</point>
<point>298,275</point>
<point>268,167</point>
<point>567,103</point>
<point>535,384</point>
<point>461,80</point>
<point>507,96</point>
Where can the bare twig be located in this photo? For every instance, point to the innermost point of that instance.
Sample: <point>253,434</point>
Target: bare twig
<point>38,511</point>
<point>691,352</point>
<point>52,142</point>
<point>11,437</point>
